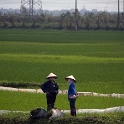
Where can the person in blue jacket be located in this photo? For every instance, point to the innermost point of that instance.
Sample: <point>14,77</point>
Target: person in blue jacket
<point>72,94</point>
<point>51,88</point>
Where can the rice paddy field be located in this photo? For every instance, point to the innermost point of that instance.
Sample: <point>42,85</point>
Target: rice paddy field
<point>95,58</point>
<point>22,101</point>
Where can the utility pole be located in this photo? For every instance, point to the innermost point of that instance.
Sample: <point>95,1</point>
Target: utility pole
<point>118,16</point>
<point>123,15</point>
<point>75,14</point>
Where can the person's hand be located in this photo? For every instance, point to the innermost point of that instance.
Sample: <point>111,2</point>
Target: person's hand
<point>77,95</point>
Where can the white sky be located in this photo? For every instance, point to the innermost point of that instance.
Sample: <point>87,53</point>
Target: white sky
<point>107,5</point>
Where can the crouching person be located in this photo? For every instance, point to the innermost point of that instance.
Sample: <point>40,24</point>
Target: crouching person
<point>72,94</point>
<point>50,87</point>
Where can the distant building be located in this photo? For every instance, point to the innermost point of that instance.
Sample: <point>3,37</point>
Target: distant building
<point>83,11</point>
<point>55,12</point>
<point>4,10</point>
<point>94,11</point>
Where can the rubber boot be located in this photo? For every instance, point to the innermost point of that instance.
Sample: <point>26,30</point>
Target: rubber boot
<point>49,107</point>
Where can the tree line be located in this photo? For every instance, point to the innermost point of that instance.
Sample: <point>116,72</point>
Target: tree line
<point>66,21</point>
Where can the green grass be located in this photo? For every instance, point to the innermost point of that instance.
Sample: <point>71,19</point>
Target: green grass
<point>96,59</point>
<point>27,101</point>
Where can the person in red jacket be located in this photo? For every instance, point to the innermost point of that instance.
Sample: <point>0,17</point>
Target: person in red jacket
<point>50,87</point>
<point>72,94</point>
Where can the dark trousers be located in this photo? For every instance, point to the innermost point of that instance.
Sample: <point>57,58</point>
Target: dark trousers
<point>50,102</point>
<point>72,103</point>
<point>72,107</point>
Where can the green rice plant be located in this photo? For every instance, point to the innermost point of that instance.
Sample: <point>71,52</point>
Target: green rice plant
<point>55,36</point>
<point>104,50</point>
<point>96,59</point>
<point>23,101</point>
<point>91,73</point>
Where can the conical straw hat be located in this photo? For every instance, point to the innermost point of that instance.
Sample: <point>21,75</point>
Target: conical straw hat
<point>51,75</point>
<point>70,77</point>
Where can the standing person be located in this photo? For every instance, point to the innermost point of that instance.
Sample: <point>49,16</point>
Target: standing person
<point>50,87</point>
<point>72,94</point>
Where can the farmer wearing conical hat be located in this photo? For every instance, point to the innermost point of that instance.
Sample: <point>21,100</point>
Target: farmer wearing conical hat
<point>72,94</point>
<point>50,87</point>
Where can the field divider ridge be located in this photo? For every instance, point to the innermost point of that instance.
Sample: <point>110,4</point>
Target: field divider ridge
<point>62,92</point>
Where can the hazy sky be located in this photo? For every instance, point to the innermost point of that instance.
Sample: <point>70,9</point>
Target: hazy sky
<point>107,5</point>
